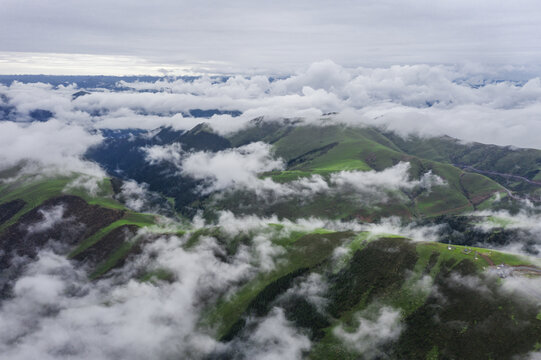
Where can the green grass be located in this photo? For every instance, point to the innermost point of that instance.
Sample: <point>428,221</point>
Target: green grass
<point>350,152</point>
<point>130,218</point>
<point>157,275</point>
<point>498,221</point>
<point>306,251</point>
<point>342,148</point>
<point>117,255</point>
<point>326,149</point>
<point>341,165</point>
<point>228,311</point>
<point>442,200</point>
<point>492,200</point>
<point>433,354</point>
<point>457,253</point>
<point>287,175</point>
<point>293,236</point>
<point>407,298</point>
<point>35,192</point>
<point>330,347</point>
<point>479,185</point>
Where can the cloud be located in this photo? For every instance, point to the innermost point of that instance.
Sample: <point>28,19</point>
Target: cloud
<point>525,224</point>
<point>50,218</point>
<point>240,168</point>
<point>232,168</point>
<point>394,225</point>
<point>134,195</point>
<point>51,147</point>
<point>427,100</point>
<point>313,289</point>
<point>275,338</point>
<point>248,224</point>
<point>374,330</point>
<point>423,285</point>
<point>57,313</point>
<point>534,356</point>
<point>167,153</point>
<point>522,287</point>
<point>524,219</point>
<point>392,178</point>
<point>90,184</point>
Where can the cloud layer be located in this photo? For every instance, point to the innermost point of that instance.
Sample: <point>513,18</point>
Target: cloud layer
<point>419,99</point>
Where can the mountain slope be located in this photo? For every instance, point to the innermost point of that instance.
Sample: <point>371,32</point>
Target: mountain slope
<point>324,150</point>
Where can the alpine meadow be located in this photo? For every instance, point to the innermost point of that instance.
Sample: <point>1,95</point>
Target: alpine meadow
<point>277,181</point>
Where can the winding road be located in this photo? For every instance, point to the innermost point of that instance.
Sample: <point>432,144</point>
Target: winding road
<point>518,177</point>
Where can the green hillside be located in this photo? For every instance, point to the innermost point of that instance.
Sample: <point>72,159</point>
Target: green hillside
<point>102,215</point>
<point>488,159</point>
<point>327,259</point>
<point>323,150</point>
<point>384,271</point>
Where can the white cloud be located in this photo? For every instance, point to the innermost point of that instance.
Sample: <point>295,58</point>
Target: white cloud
<point>232,168</point>
<point>276,339</point>
<point>90,184</point>
<point>57,313</point>
<point>392,178</point>
<point>52,147</point>
<point>524,219</point>
<point>373,331</point>
<point>134,195</point>
<point>522,287</point>
<point>50,218</point>
<point>412,99</point>
<point>534,356</point>
<point>313,289</point>
<point>393,225</point>
<point>423,285</point>
<point>526,224</point>
<point>169,153</point>
<point>240,168</point>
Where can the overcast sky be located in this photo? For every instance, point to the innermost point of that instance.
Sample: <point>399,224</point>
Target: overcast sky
<point>141,36</point>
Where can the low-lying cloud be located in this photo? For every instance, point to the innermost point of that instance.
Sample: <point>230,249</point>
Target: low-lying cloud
<point>57,313</point>
<point>425,100</point>
<point>241,169</point>
<point>526,225</point>
<point>235,168</point>
<point>50,218</point>
<point>373,331</point>
<point>47,147</point>
<point>275,338</point>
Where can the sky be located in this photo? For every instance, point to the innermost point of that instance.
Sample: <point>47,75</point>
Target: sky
<point>184,37</point>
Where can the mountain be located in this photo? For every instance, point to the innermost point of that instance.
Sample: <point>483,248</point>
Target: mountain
<point>317,150</point>
<point>353,242</point>
<point>323,150</point>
